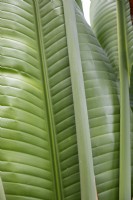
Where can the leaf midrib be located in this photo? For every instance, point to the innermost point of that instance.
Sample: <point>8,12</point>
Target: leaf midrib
<point>51,124</point>
<point>125,149</point>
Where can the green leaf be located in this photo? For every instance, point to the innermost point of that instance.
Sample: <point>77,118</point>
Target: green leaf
<point>88,187</point>
<point>125,146</point>
<point>113,27</point>
<point>103,16</point>
<point>79,2</point>
<point>40,151</point>
<point>103,111</point>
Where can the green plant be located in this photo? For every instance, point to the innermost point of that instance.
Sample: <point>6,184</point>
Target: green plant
<point>115,34</point>
<point>59,96</point>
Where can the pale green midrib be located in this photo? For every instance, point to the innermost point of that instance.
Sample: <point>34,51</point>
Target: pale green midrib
<point>2,192</point>
<point>52,129</point>
<point>87,178</point>
<point>125,146</point>
<point>126,44</point>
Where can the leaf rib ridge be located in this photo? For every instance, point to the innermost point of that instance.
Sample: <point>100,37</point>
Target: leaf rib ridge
<point>88,187</point>
<point>55,159</point>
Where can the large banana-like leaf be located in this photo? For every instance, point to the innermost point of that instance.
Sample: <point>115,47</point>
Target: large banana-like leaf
<point>103,16</point>
<point>111,22</point>
<point>40,151</point>
<point>104,123</point>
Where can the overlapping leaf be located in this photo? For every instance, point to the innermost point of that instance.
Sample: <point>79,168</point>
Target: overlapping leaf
<point>103,111</point>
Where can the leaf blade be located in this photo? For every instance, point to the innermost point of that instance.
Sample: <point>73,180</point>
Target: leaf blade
<point>88,188</point>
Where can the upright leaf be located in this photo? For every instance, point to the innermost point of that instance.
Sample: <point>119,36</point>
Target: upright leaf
<point>88,187</point>
<point>38,158</point>
<point>125,146</point>
<point>103,111</point>
<point>26,161</point>
<point>113,27</point>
